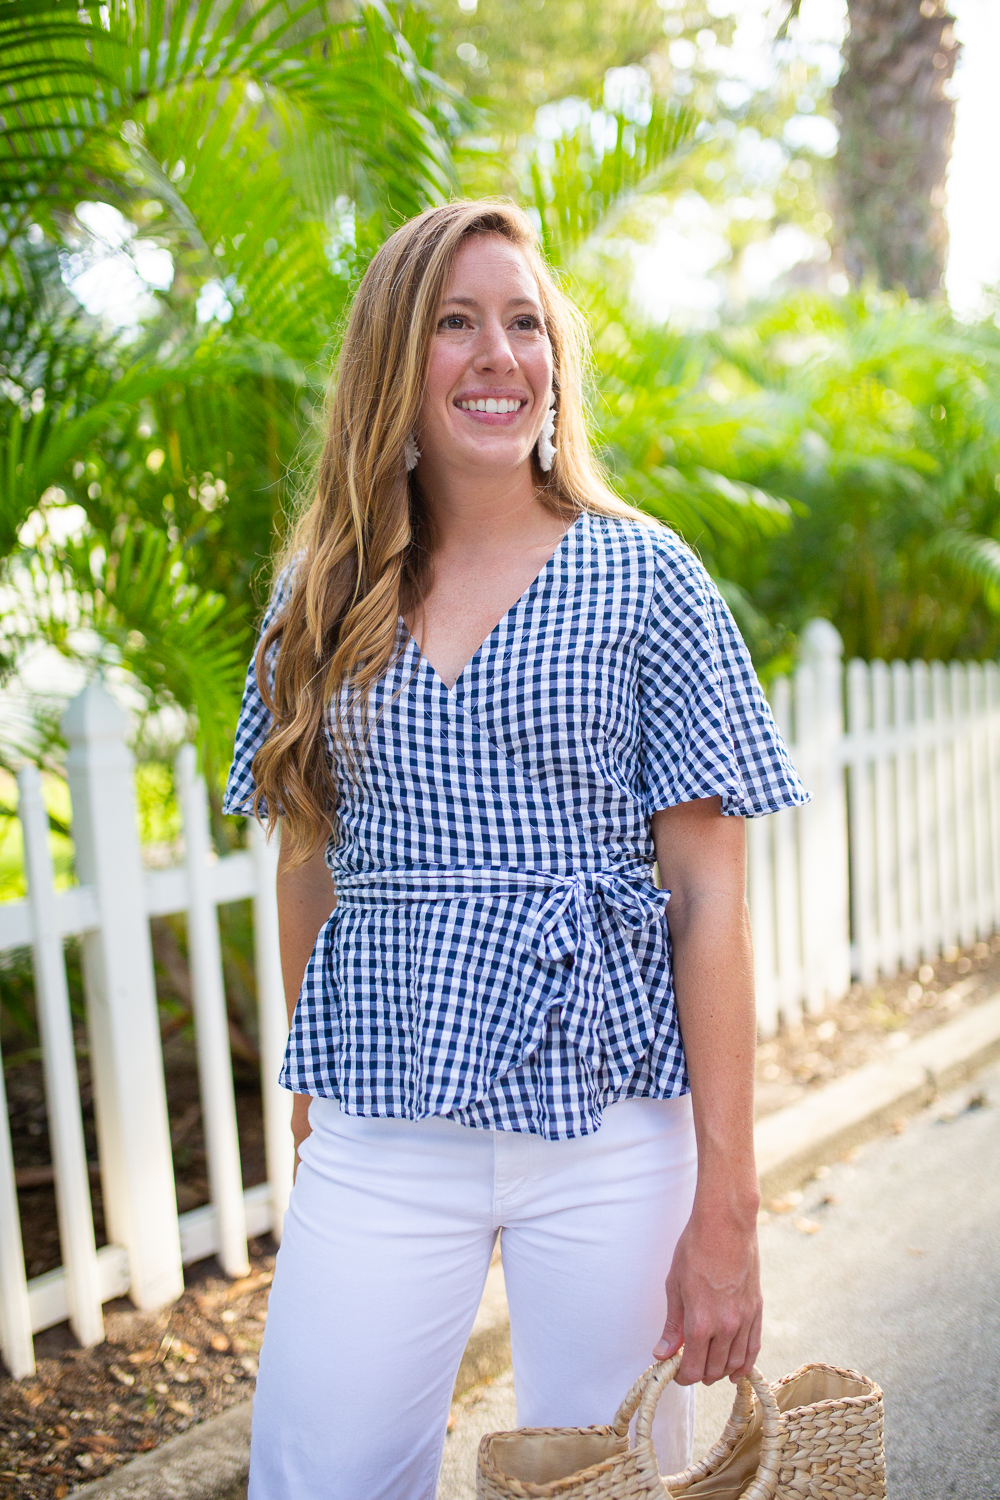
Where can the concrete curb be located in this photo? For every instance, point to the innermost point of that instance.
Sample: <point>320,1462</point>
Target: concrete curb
<point>209,1462</point>
<point>792,1142</point>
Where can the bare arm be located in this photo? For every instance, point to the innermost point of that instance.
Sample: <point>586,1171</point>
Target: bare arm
<point>713,1290</point>
<point>305,900</point>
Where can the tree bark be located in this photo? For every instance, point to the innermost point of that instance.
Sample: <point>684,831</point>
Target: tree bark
<point>897,124</point>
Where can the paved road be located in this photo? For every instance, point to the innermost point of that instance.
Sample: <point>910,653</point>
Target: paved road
<point>902,1280</point>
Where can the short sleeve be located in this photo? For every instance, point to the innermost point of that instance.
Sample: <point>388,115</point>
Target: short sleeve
<point>707,730</point>
<point>254,723</point>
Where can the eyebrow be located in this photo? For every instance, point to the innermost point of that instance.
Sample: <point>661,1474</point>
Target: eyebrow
<point>472,301</point>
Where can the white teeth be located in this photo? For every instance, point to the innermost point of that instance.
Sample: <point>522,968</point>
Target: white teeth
<point>501,405</point>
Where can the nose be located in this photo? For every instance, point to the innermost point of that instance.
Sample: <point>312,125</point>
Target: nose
<point>493,350</point>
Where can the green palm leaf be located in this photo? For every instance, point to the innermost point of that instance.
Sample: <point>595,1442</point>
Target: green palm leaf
<point>977,558</point>
<point>588,174</point>
<point>66,385</point>
<point>68,87</point>
<point>177,640</point>
<point>704,504</point>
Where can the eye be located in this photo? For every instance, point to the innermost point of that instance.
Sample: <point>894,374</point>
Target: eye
<point>527,323</point>
<point>454,321</point>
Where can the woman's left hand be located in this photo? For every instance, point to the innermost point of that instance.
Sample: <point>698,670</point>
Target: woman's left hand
<point>714,1302</point>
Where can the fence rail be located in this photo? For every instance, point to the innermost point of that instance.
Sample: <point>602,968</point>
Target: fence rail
<point>896,858</point>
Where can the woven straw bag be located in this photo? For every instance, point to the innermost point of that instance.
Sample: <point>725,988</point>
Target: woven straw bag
<point>596,1463</point>
<point>833,1435</point>
<point>815,1435</point>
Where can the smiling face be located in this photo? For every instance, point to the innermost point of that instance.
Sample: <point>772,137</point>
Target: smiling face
<point>489,372</point>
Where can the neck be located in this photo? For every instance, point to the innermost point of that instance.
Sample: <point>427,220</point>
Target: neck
<point>477,511</point>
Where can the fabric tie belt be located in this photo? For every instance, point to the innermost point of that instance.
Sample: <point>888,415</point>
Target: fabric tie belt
<point>564,930</point>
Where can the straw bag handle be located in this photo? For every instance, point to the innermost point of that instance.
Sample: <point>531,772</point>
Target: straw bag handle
<point>645,1394</point>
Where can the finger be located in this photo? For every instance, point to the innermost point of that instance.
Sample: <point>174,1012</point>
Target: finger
<point>670,1341</point>
<point>717,1358</point>
<point>752,1349</point>
<point>736,1360</point>
<point>672,1336</point>
<point>692,1366</point>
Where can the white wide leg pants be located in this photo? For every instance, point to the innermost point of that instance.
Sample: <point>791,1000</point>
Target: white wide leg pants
<point>386,1246</point>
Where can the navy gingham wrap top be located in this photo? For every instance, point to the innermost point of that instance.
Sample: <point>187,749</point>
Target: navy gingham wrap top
<point>499,951</point>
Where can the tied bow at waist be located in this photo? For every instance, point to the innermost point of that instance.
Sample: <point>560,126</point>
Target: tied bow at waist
<point>564,930</point>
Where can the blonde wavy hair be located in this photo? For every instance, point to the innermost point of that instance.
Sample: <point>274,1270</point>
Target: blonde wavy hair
<point>359,555</point>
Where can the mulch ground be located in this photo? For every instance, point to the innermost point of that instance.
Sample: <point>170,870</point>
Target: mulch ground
<point>86,1411</point>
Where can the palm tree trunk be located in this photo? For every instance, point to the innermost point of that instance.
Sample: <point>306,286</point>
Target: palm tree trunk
<point>897,124</point>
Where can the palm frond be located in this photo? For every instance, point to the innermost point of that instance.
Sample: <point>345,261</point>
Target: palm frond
<point>69,87</point>
<point>705,505</point>
<point>177,640</point>
<point>580,180</point>
<point>977,558</point>
<point>64,385</point>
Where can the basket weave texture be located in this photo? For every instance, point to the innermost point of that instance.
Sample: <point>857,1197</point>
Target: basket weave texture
<point>814,1435</point>
<point>551,1463</point>
<point>833,1443</point>
<point>831,1422</point>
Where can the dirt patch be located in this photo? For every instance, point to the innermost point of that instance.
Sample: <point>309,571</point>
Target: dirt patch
<point>87,1411</point>
<point>870,1024</point>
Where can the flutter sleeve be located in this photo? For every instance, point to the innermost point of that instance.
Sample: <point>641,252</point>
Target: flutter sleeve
<point>707,730</point>
<point>254,723</point>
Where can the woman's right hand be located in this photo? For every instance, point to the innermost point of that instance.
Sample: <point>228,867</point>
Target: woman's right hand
<point>300,1124</point>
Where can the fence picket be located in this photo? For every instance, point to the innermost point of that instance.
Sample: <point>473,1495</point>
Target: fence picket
<point>62,1093</point>
<point>215,1064</point>
<point>992,681</point>
<point>958,688</point>
<point>812,913</point>
<point>944,805</point>
<point>15,1309</point>
<point>861,823</point>
<point>786,882</point>
<point>822,824</point>
<point>884,799</point>
<point>928,914</point>
<point>126,1058</point>
<point>979,745</point>
<point>906,817</point>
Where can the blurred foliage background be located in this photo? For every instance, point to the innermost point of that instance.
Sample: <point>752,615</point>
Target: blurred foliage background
<point>189,193</point>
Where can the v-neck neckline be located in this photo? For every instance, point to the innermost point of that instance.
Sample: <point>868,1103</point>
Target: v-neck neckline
<point>484,643</point>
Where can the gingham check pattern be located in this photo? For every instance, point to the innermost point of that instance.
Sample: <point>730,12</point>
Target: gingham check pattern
<point>499,952</point>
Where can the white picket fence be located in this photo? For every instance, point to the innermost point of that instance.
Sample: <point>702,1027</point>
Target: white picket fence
<point>149,1242</point>
<point>896,858</point>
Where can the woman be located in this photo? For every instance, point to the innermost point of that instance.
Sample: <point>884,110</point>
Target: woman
<point>487,695</point>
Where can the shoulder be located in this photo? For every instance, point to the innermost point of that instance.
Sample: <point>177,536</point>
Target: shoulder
<point>664,570</point>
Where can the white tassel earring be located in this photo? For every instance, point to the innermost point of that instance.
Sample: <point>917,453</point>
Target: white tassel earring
<point>546,447</point>
<point>411,453</point>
